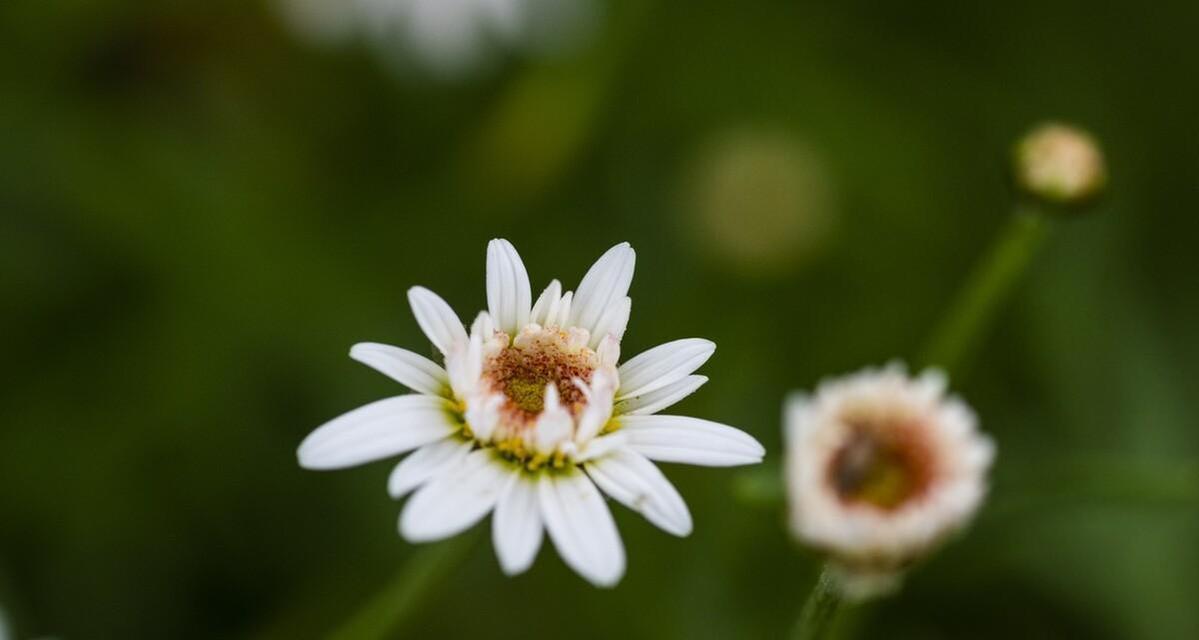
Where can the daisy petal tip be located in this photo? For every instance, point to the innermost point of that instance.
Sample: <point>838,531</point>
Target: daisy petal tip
<point>512,570</point>
<point>627,252</point>
<point>315,455</point>
<point>681,530</point>
<point>678,525</point>
<point>436,318</point>
<point>753,456</point>
<point>418,530</point>
<point>759,448</point>
<point>608,582</point>
<point>514,565</point>
<point>317,462</point>
<point>306,459</point>
<point>411,531</point>
<point>704,346</point>
<point>604,578</point>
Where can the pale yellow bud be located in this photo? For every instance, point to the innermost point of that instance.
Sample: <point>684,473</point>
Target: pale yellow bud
<point>1059,164</point>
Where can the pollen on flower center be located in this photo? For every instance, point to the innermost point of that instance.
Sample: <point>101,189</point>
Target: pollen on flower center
<point>881,464</point>
<point>534,360</point>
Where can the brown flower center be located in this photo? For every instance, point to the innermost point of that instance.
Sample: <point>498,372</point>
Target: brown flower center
<point>883,464</point>
<point>523,370</point>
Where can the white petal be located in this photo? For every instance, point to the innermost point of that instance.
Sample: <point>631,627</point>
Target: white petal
<point>508,293</point>
<point>602,446</point>
<point>464,362</point>
<point>608,351</point>
<point>436,319</point>
<point>405,367</point>
<point>690,441</point>
<point>484,326</point>
<point>516,529</point>
<point>554,425</point>
<point>613,322</point>
<point>581,527</point>
<point>378,430</point>
<point>657,400</point>
<point>663,365</point>
<point>455,501</point>
<point>598,411</point>
<point>559,313</point>
<point>604,286</point>
<point>426,463</point>
<point>483,414</point>
<point>635,482</point>
<point>546,303</point>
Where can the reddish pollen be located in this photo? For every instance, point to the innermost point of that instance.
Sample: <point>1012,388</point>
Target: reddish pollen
<point>523,370</point>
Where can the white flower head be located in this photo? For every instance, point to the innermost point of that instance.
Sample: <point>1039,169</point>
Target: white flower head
<point>532,417</point>
<point>447,38</point>
<point>881,468</point>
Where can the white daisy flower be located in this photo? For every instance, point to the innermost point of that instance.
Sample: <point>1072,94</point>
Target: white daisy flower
<point>446,37</point>
<point>881,468</point>
<point>531,417</point>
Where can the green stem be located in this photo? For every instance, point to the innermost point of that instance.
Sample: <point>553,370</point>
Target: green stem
<point>987,287</point>
<point>387,613</point>
<point>820,612</point>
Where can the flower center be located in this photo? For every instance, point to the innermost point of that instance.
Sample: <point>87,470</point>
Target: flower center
<point>534,360</point>
<point>881,464</point>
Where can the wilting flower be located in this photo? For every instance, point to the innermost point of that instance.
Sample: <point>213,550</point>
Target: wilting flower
<point>881,468</point>
<point>446,37</point>
<point>530,414</point>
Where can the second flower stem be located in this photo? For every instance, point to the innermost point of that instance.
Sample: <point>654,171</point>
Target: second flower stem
<point>987,287</point>
<point>819,614</point>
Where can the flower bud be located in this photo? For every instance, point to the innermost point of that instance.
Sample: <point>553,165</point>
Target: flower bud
<point>1060,165</point>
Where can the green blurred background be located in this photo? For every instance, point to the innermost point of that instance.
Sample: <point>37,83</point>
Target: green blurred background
<point>201,210</point>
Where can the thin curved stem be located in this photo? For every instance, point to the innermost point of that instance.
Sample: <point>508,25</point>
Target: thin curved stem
<point>820,612</point>
<point>987,287</point>
<point>389,611</point>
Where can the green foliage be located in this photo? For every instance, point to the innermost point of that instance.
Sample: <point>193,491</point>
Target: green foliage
<point>199,214</point>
